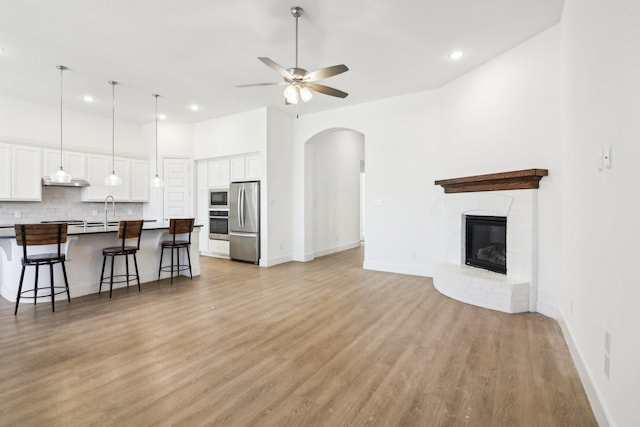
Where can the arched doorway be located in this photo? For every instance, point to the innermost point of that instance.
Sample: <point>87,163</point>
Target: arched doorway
<point>334,167</point>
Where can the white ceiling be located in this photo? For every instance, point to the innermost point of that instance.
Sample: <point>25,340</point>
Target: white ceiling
<point>196,51</point>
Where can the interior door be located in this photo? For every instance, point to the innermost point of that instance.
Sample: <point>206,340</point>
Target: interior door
<point>177,188</point>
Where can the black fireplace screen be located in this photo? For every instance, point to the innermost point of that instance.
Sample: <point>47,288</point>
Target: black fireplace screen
<point>486,242</point>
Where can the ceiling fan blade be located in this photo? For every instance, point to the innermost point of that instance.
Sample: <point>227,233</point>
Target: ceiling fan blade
<point>263,84</point>
<point>278,68</point>
<point>323,73</point>
<point>327,90</point>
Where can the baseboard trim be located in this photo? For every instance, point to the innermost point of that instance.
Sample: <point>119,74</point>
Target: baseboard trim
<point>603,417</point>
<point>329,251</point>
<point>426,271</point>
<point>275,261</point>
<point>547,309</point>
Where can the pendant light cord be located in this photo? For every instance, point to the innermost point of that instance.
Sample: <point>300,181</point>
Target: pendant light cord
<point>61,68</point>
<point>297,16</point>
<point>156,96</point>
<point>113,126</point>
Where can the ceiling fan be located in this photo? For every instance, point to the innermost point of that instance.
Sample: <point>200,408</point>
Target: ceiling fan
<point>299,81</point>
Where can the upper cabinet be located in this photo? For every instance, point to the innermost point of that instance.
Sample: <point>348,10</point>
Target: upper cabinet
<point>245,168</point>
<point>75,164</point>
<point>20,177</point>
<point>134,174</point>
<point>218,173</point>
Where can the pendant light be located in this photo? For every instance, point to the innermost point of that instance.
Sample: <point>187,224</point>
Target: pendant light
<point>157,181</point>
<point>113,179</point>
<point>60,176</point>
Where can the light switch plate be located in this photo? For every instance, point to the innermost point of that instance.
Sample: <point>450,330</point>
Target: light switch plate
<point>606,157</point>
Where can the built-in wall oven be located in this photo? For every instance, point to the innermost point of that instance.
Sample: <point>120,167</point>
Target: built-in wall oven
<point>219,224</point>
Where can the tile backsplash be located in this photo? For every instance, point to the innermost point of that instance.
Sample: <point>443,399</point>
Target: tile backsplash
<point>61,203</point>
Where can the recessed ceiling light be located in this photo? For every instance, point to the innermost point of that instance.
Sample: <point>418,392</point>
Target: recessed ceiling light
<point>455,55</point>
<point>88,98</point>
<point>162,117</point>
<point>194,107</point>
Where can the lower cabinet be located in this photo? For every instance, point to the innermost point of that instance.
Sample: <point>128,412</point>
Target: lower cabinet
<point>219,248</point>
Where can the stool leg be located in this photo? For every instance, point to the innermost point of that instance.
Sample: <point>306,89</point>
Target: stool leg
<point>160,267</point>
<point>126,261</point>
<point>135,262</point>
<point>19,291</point>
<point>111,279</point>
<point>189,259</point>
<point>35,286</point>
<point>178,261</point>
<point>172,265</point>
<point>66,282</point>
<point>104,261</point>
<point>53,295</point>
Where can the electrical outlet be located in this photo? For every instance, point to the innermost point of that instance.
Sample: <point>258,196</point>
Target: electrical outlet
<point>130,212</point>
<point>94,212</point>
<point>17,214</point>
<point>606,157</point>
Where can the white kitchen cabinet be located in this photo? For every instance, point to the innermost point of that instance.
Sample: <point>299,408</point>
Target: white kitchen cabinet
<point>75,164</point>
<point>253,169</point>
<point>98,168</point>
<point>202,217</point>
<point>218,173</point>
<point>140,185</point>
<point>219,248</point>
<point>21,173</point>
<point>202,175</point>
<point>122,193</point>
<point>237,168</point>
<point>244,168</point>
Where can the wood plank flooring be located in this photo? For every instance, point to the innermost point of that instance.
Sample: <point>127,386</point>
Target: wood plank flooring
<point>323,343</point>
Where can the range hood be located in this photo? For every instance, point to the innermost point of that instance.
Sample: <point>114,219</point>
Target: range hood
<point>46,182</point>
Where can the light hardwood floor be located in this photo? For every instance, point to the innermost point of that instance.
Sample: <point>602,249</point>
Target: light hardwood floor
<point>300,344</point>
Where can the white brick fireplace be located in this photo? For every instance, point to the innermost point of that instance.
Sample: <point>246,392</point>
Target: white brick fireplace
<point>514,292</point>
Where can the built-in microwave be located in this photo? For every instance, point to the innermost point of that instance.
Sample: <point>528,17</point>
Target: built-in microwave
<point>219,199</point>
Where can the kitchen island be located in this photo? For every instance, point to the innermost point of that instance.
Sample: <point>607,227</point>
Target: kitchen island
<point>84,258</point>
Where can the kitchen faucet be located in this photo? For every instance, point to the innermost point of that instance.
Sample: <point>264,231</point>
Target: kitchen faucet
<point>106,209</point>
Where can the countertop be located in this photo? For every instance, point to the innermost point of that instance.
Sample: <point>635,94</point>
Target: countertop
<point>75,230</point>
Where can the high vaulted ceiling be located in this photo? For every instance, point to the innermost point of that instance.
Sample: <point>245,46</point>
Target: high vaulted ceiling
<point>197,51</point>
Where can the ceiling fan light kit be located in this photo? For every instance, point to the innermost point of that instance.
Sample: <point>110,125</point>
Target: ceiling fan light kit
<point>299,81</point>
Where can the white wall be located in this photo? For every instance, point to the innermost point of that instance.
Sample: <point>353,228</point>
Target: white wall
<point>401,137</point>
<point>277,191</point>
<point>600,251</point>
<point>231,135</point>
<point>27,122</point>
<point>335,158</point>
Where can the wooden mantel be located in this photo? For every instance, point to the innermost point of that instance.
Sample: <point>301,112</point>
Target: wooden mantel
<point>514,180</point>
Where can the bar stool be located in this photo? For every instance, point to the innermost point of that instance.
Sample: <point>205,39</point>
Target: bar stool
<point>126,230</point>
<point>38,235</point>
<point>176,227</point>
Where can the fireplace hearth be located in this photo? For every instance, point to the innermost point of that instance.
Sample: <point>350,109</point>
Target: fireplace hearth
<point>486,242</point>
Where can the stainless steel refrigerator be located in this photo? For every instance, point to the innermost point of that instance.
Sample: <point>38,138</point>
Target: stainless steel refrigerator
<point>244,221</point>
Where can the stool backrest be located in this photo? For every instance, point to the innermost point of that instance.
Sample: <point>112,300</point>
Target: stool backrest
<point>130,230</point>
<point>181,226</point>
<point>40,234</point>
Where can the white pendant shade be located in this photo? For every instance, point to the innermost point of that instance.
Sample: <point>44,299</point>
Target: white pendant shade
<point>113,179</point>
<point>60,177</point>
<point>157,182</point>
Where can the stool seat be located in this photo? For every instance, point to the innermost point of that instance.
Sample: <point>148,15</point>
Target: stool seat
<point>37,235</point>
<point>118,250</point>
<point>43,259</point>
<point>177,227</point>
<point>126,230</point>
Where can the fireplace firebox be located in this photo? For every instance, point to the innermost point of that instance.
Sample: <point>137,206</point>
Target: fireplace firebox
<point>486,242</point>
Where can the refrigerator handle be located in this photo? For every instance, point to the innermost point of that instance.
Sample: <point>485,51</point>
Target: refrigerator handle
<point>242,207</point>
<point>238,207</point>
